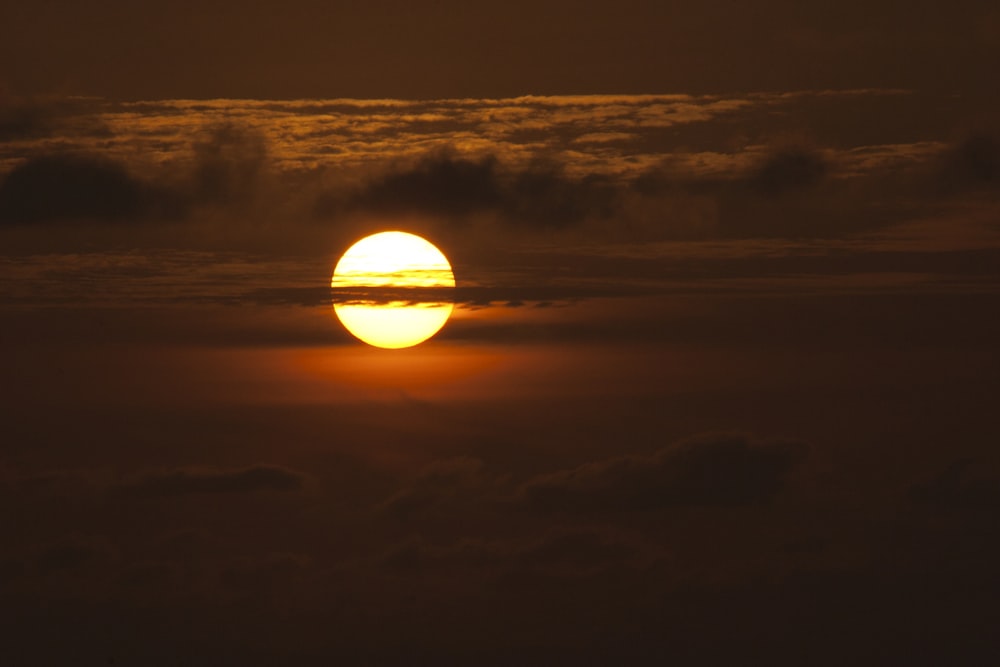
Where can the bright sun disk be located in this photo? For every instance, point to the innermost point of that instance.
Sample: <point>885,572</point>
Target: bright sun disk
<point>396,261</point>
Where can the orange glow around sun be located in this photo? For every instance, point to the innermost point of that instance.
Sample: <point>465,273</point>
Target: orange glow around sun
<point>386,278</point>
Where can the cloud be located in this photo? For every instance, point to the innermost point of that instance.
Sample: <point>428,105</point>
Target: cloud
<point>22,121</point>
<point>436,484</point>
<point>227,168</point>
<point>544,196</point>
<point>465,167</point>
<point>75,119</point>
<point>68,187</point>
<point>973,162</point>
<point>722,470</point>
<point>438,184</point>
<point>184,481</point>
<point>575,163</point>
<point>766,191</point>
<point>540,195</point>
<point>707,470</point>
<point>791,169</point>
<point>229,163</point>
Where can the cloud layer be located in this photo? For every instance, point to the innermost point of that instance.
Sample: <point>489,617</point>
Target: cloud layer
<point>622,168</point>
<point>710,470</point>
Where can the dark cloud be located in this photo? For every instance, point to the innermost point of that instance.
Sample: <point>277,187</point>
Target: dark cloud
<point>544,196</point>
<point>227,169</point>
<point>973,162</point>
<point>439,184</point>
<point>470,296</point>
<point>22,121</point>
<point>202,480</point>
<point>722,172</point>
<point>539,195</point>
<point>787,170</point>
<point>438,483</point>
<point>706,470</point>
<point>709,470</point>
<point>788,192</point>
<point>71,187</point>
<point>229,163</point>
<point>33,118</point>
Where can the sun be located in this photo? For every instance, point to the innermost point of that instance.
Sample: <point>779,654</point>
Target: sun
<point>393,289</point>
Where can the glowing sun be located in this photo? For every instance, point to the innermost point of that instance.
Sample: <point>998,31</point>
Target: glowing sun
<point>394,289</point>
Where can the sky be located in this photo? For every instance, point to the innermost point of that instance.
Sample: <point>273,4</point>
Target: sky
<point>719,385</point>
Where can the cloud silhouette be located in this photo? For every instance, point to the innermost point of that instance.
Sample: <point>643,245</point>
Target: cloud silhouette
<point>229,162</point>
<point>435,484</point>
<point>973,162</point>
<point>72,119</point>
<point>787,170</point>
<point>69,187</point>
<point>438,184</point>
<point>228,166</point>
<point>22,121</point>
<point>540,194</point>
<point>707,470</point>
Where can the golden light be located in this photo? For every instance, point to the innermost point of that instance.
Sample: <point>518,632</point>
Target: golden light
<point>376,273</point>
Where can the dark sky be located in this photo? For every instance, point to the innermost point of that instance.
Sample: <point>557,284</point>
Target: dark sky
<point>450,48</point>
<point>719,387</point>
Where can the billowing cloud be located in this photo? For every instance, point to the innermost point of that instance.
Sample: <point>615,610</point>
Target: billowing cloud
<point>438,483</point>
<point>540,194</point>
<point>790,169</point>
<point>439,184</point>
<point>71,187</point>
<point>22,121</point>
<point>36,119</point>
<point>723,470</point>
<point>228,164</point>
<point>973,162</point>
<point>226,169</point>
<point>709,470</point>
<point>663,167</point>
